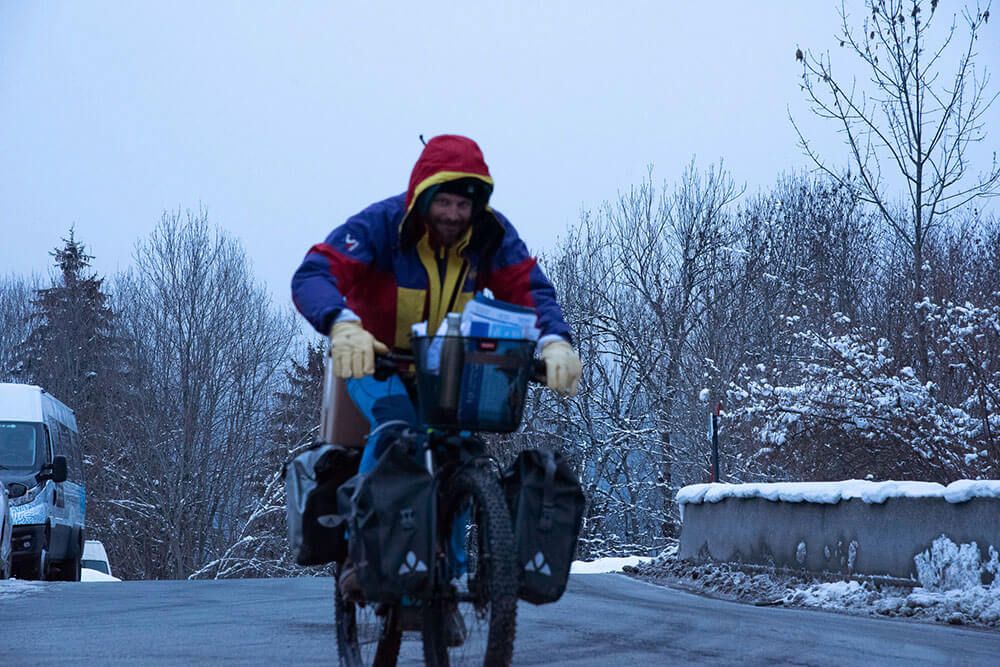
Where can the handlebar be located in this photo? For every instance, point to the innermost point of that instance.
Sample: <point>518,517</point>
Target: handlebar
<point>394,363</point>
<point>387,365</point>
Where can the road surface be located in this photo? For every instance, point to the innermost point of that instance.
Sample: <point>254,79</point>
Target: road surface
<point>603,620</point>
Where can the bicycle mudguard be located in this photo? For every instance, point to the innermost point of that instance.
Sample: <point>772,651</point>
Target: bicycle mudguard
<point>546,505</point>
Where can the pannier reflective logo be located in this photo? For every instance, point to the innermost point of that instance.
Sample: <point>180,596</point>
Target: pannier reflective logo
<point>538,564</point>
<point>412,564</point>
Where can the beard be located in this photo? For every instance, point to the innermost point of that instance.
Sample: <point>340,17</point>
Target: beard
<point>447,231</point>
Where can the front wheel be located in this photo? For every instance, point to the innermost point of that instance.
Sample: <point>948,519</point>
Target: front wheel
<point>479,615</point>
<point>366,637</point>
<point>65,570</point>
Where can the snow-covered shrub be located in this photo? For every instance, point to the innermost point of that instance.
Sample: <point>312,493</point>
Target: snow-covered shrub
<point>948,566</point>
<point>969,336</point>
<point>840,405</point>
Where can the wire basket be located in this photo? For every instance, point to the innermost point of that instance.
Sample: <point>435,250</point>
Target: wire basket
<point>473,384</point>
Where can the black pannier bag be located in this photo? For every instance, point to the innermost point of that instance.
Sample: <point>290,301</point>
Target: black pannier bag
<point>315,530</point>
<point>391,525</point>
<point>546,508</point>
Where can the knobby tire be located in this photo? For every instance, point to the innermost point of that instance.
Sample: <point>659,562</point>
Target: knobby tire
<point>363,638</point>
<point>492,578</point>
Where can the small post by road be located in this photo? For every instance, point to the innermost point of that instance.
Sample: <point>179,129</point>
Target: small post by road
<point>715,442</point>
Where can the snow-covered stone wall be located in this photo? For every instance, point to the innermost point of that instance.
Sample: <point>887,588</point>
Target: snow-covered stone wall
<point>852,527</point>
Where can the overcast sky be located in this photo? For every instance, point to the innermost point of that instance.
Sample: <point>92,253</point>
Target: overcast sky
<point>283,118</point>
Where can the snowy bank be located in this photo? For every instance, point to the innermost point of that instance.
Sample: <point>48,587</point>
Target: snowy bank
<point>603,565</point>
<point>10,588</point>
<point>948,590</point>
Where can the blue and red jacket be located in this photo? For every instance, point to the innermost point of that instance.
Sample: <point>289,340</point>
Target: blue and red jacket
<point>382,265</point>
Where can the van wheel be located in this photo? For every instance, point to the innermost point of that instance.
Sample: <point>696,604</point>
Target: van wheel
<point>63,570</point>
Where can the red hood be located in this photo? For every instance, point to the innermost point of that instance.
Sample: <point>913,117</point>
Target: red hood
<point>446,158</point>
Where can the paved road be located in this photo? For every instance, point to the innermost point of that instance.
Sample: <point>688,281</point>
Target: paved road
<point>602,620</point>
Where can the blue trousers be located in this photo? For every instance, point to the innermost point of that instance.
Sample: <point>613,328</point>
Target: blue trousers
<point>385,404</point>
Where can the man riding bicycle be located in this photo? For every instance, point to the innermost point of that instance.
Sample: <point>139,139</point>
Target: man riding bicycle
<point>413,258</point>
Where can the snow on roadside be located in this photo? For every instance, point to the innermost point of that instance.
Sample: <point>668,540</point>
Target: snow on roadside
<point>969,606</point>
<point>603,565</point>
<point>10,588</point>
<point>833,492</point>
<point>949,588</point>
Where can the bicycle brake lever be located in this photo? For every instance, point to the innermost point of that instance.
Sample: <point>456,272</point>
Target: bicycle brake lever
<point>539,373</point>
<point>385,367</point>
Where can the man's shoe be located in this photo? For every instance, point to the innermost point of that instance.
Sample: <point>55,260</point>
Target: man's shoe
<point>348,583</point>
<point>454,627</point>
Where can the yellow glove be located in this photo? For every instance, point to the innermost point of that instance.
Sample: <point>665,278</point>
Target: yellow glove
<point>562,367</point>
<point>353,350</point>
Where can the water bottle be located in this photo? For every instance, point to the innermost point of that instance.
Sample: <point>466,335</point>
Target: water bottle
<point>452,363</point>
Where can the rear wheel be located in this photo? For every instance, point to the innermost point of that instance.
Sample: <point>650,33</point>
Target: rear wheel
<point>365,637</point>
<point>476,622</point>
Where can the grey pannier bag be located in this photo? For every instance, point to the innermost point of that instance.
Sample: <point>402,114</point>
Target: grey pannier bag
<point>315,529</point>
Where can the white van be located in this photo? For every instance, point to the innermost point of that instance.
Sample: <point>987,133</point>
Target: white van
<point>41,462</point>
<point>95,557</point>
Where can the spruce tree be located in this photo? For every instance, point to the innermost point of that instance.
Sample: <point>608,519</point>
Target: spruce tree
<point>71,352</point>
<point>297,413</point>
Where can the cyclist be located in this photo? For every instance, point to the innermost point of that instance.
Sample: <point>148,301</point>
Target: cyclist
<point>415,257</point>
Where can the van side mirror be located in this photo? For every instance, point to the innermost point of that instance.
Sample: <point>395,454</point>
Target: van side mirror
<point>56,471</point>
<point>16,490</point>
<point>59,473</point>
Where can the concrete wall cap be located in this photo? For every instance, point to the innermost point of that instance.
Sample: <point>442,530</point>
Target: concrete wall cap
<point>833,492</point>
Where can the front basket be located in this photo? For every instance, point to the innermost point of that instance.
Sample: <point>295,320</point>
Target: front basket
<point>475,384</point>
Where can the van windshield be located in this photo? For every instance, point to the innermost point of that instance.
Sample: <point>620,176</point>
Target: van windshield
<point>98,565</point>
<point>21,446</point>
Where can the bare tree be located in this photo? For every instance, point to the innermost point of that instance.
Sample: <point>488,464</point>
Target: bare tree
<point>669,247</point>
<point>635,281</point>
<point>207,345</point>
<point>259,547</point>
<point>911,129</point>
<point>607,430</point>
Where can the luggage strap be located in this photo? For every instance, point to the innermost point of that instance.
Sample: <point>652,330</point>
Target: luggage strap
<point>548,492</point>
